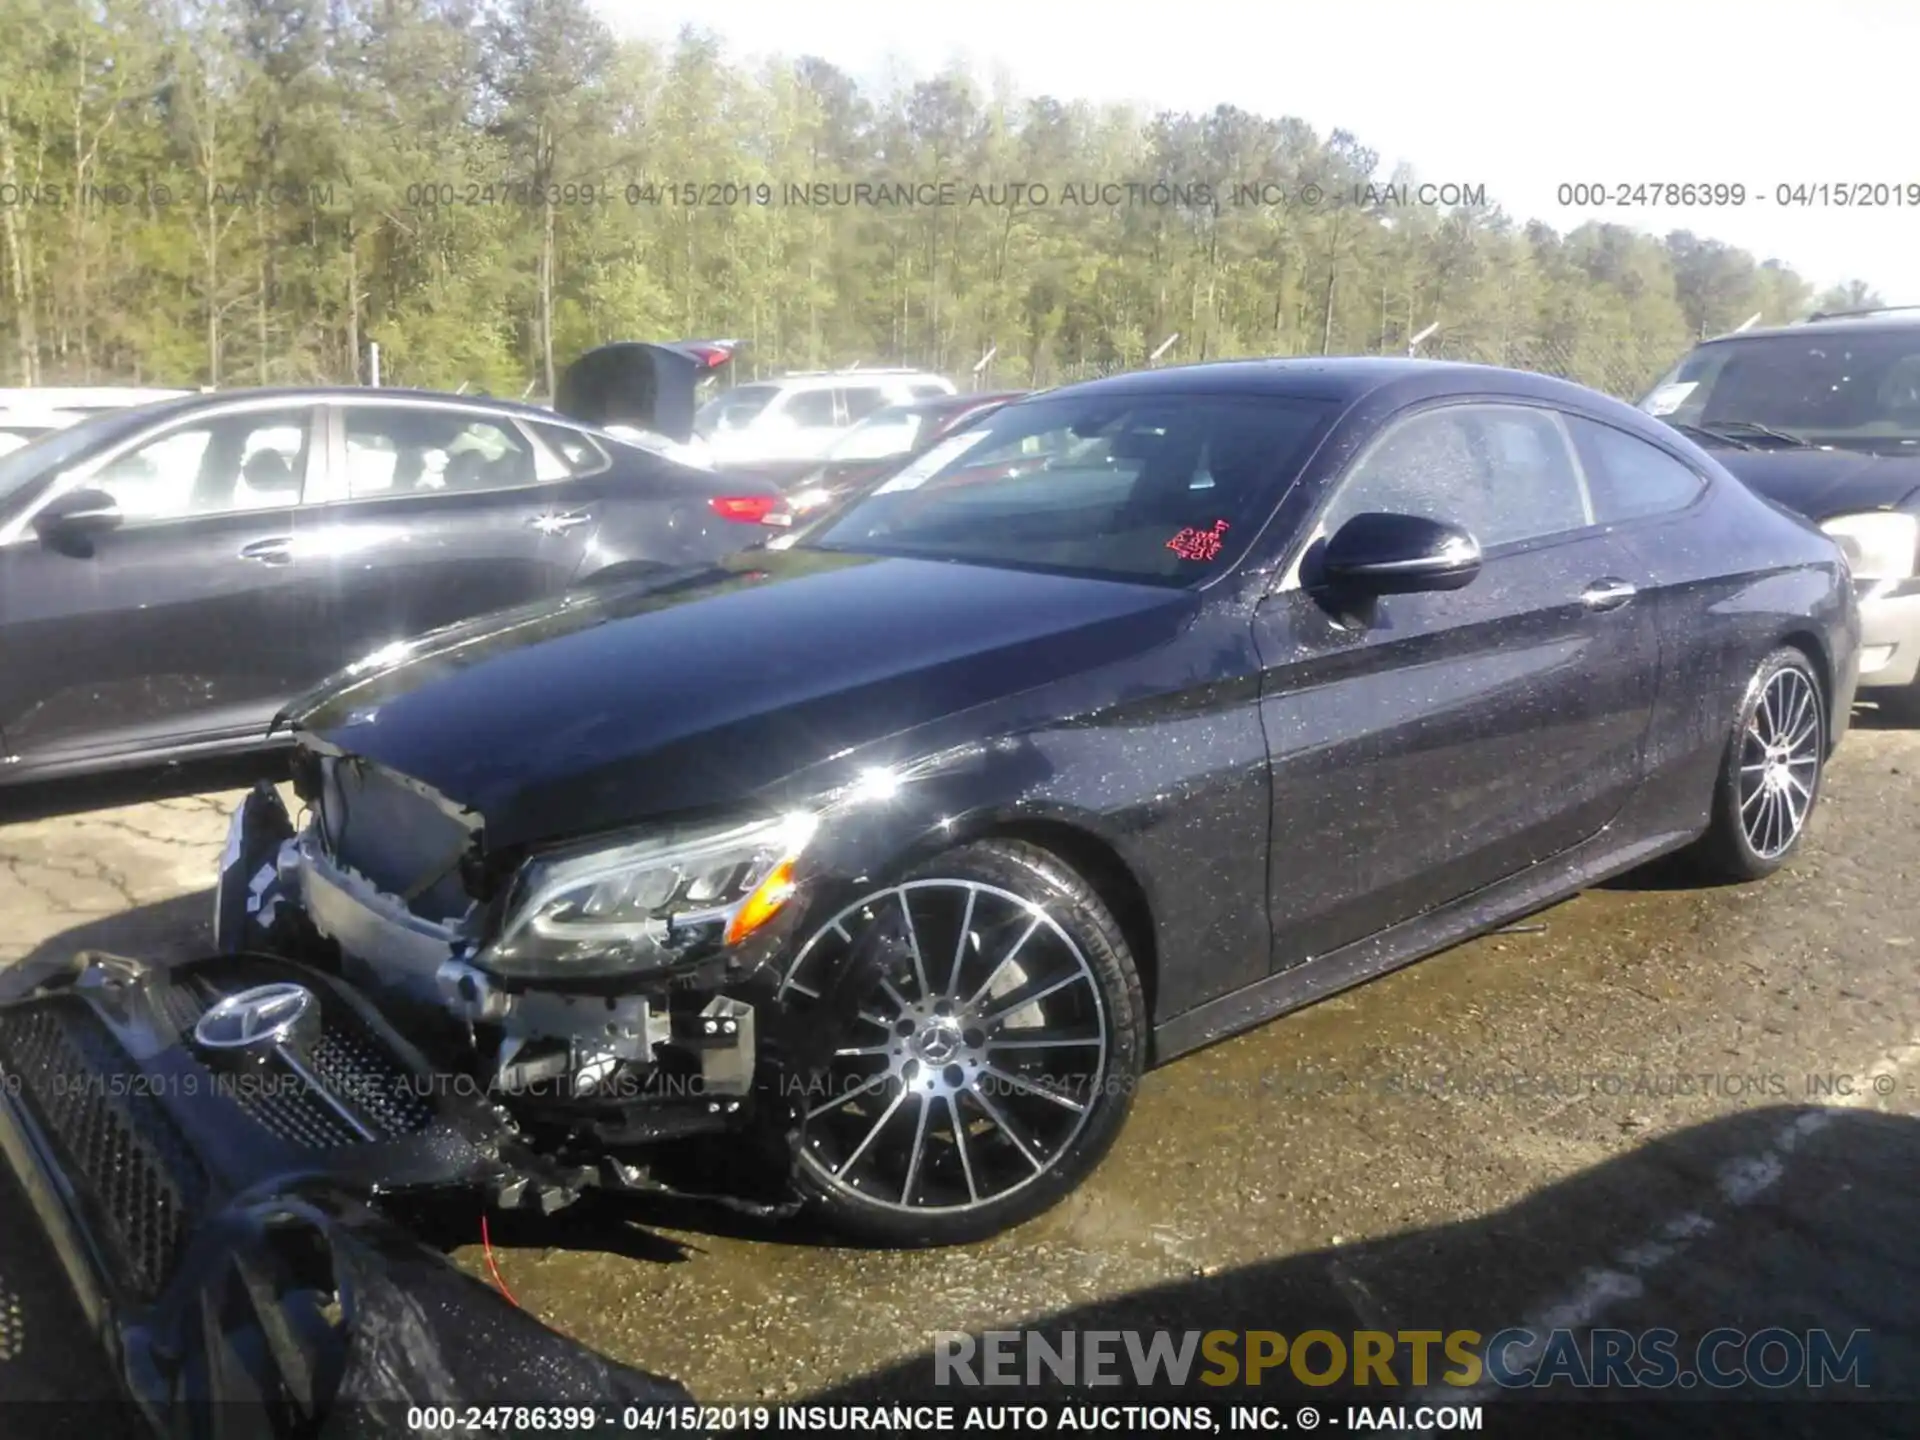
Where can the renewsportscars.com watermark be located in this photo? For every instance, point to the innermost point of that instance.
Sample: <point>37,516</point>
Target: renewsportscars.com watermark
<point>1515,1358</point>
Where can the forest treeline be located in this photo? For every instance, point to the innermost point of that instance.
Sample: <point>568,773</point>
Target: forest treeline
<point>237,192</point>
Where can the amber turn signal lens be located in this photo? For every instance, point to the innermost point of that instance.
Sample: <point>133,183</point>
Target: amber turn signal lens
<point>763,904</point>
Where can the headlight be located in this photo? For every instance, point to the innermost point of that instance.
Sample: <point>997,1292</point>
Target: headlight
<point>1880,546</point>
<point>646,903</point>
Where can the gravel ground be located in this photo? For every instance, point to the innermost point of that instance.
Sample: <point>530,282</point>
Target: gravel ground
<point>1635,1113</point>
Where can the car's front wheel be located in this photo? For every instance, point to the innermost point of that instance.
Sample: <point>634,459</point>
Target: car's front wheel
<point>981,1029</point>
<point>1771,772</point>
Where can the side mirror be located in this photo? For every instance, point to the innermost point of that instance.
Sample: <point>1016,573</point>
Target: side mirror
<point>1376,554</point>
<point>72,522</point>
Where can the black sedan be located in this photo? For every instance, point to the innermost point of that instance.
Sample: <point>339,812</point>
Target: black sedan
<point>170,576</point>
<point>1141,712</point>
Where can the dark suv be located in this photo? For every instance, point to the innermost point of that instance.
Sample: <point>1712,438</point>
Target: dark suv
<point>1824,417</point>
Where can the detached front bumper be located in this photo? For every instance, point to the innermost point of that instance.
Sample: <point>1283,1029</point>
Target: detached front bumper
<point>183,1171</point>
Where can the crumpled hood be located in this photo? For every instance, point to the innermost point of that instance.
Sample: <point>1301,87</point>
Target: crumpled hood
<point>1821,484</point>
<point>613,705</point>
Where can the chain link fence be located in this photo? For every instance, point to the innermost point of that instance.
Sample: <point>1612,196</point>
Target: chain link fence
<point>1624,368</point>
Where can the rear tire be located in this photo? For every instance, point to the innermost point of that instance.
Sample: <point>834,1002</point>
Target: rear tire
<point>985,1029</point>
<point>1770,777</point>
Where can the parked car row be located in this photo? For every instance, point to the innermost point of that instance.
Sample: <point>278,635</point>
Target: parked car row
<point>867,859</point>
<point>861,863</point>
<point>1824,417</point>
<point>785,426</point>
<point>173,573</point>
<point>869,868</point>
<point>883,442</point>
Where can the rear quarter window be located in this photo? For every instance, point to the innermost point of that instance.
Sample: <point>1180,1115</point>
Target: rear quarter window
<point>1628,477</point>
<point>576,450</point>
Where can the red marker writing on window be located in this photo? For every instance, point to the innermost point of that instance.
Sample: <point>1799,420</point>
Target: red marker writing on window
<point>1191,544</point>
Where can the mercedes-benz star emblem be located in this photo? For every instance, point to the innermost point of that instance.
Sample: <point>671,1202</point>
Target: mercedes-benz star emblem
<point>256,1019</point>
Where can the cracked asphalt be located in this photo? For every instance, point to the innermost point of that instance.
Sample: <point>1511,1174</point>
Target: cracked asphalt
<point>1655,1104</point>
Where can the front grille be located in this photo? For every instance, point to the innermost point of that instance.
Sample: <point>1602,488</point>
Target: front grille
<point>119,1149</point>
<point>352,1063</point>
<point>347,1060</point>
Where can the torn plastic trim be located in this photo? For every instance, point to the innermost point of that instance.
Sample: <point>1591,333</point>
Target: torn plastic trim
<point>429,961</point>
<point>374,927</point>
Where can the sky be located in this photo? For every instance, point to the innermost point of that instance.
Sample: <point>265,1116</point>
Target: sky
<point>1523,98</point>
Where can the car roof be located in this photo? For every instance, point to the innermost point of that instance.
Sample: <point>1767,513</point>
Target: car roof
<point>320,394</point>
<point>1343,378</point>
<point>1848,322</point>
<point>43,398</point>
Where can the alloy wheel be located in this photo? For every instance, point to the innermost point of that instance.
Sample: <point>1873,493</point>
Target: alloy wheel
<point>972,1061</point>
<point>1780,762</point>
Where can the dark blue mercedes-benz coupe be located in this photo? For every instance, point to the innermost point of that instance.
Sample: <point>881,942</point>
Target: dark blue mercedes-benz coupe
<point>878,862</point>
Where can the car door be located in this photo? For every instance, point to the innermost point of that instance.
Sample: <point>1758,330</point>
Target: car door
<point>1452,738</point>
<point>434,512</point>
<point>179,624</point>
<point>803,425</point>
<point>857,402</point>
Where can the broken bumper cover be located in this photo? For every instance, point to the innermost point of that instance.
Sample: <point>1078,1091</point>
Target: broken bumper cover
<point>619,1061</point>
<point>189,1154</point>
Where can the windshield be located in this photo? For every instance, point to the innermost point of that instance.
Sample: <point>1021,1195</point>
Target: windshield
<point>58,449</point>
<point>883,434</point>
<point>1167,489</point>
<point>1860,390</point>
<point>734,410</point>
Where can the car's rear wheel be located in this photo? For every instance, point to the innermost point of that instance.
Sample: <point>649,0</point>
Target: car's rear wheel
<point>984,1028</point>
<point>1770,778</point>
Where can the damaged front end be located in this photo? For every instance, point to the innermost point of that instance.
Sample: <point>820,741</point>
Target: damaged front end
<point>615,998</point>
<point>205,1145</point>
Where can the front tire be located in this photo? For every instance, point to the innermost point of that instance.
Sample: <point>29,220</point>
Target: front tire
<point>985,1029</point>
<point>1770,777</point>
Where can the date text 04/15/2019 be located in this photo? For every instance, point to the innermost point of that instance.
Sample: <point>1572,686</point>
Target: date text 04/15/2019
<point>1685,194</point>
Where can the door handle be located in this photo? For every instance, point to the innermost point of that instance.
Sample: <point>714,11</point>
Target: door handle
<point>558,524</point>
<point>276,551</point>
<point>1608,594</point>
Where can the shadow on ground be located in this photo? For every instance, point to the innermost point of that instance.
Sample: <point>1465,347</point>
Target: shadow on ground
<point>1785,1217</point>
<point>1800,1219</point>
<point>180,928</point>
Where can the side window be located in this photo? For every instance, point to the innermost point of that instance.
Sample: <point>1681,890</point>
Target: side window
<point>1631,478</point>
<point>1534,483</point>
<point>373,460</point>
<point>1503,473</point>
<point>251,461</point>
<point>861,401</point>
<point>1424,466</point>
<point>576,450</point>
<point>406,449</point>
<point>810,409</point>
<point>927,390</point>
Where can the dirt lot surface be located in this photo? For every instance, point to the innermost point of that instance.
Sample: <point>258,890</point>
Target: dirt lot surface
<point>1655,1105</point>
